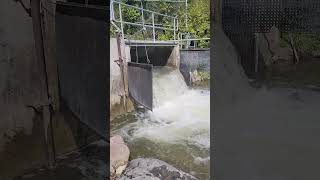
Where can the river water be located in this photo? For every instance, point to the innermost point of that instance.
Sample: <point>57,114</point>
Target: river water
<point>177,130</point>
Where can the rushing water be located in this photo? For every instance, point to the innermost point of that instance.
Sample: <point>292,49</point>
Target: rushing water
<point>177,130</point>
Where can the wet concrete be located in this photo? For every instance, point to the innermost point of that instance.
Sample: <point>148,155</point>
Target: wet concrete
<point>24,152</point>
<point>89,163</point>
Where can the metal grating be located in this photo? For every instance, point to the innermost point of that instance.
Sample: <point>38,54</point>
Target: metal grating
<point>241,19</point>
<point>260,15</point>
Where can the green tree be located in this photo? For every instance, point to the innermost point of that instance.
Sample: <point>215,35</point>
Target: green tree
<point>198,19</point>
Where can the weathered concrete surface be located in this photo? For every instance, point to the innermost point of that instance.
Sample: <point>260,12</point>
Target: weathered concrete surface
<point>49,38</point>
<point>89,163</point>
<point>117,89</point>
<point>153,169</point>
<point>192,62</point>
<point>21,130</point>
<point>229,81</point>
<point>119,156</point>
<point>174,58</point>
<point>24,152</point>
<point>20,75</point>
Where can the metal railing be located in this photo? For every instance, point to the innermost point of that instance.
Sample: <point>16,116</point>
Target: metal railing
<point>173,25</point>
<point>185,39</point>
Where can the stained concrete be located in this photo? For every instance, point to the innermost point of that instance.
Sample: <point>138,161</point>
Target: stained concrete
<point>21,130</point>
<point>118,101</point>
<point>194,61</point>
<point>89,163</point>
<point>19,73</point>
<point>174,58</point>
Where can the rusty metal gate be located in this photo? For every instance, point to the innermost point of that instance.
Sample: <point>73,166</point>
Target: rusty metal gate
<point>83,68</point>
<point>140,83</point>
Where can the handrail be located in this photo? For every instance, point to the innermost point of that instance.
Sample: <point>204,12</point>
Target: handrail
<point>153,26</point>
<point>128,5</point>
<point>198,39</point>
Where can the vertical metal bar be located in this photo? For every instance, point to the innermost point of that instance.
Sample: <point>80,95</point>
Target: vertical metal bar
<point>181,40</point>
<point>177,27</point>
<point>111,10</point>
<point>142,15</point>
<point>256,56</point>
<point>40,57</point>
<point>87,2</point>
<point>121,23</point>
<point>174,28</point>
<point>177,24</point>
<point>153,29</point>
<point>186,20</point>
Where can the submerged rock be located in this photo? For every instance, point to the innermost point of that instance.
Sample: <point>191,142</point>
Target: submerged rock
<point>119,155</point>
<point>153,169</point>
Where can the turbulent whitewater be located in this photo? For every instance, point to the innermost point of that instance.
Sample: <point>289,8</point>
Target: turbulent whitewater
<point>178,128</point>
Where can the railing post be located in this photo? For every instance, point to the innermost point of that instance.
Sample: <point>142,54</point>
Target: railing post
<point>121,23</point>
<point>142,15</point>
<point>153,29</point>
<point>177,24</point>
<point>186,20</point>
<point>111,10</point>
<point>174,28</point>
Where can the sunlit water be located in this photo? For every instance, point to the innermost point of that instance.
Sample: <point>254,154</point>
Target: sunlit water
<point>177,130</point>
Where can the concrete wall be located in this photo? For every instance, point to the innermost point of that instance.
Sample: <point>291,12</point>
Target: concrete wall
<point>19,75</point>
<point>174,58</point>
<point>21,136</point>
<point>117,89</point>
<point>191,60</point>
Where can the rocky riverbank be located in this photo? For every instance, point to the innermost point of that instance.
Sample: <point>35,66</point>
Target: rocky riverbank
<point>153,169</point>
<point>140,168</point>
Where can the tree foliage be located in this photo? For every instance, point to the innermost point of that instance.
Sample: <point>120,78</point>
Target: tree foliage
<point>306,44</point>
<point>198,13</point>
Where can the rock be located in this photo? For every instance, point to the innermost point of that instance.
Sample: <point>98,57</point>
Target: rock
<point>153,169</point>
<point>271,50</point>
<point>195,77</point>
<point>274,38</point>
<point>119,155</point>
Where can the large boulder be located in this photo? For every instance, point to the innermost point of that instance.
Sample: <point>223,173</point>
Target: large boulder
<point>119,155</point>
<point>271,50</point>
<point>153,169</point>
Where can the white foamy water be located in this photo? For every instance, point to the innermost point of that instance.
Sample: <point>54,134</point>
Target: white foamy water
<point>180,115</point>
<point>177,130</point>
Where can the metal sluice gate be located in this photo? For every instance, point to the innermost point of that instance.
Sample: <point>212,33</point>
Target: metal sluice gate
<point>140,83</point>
